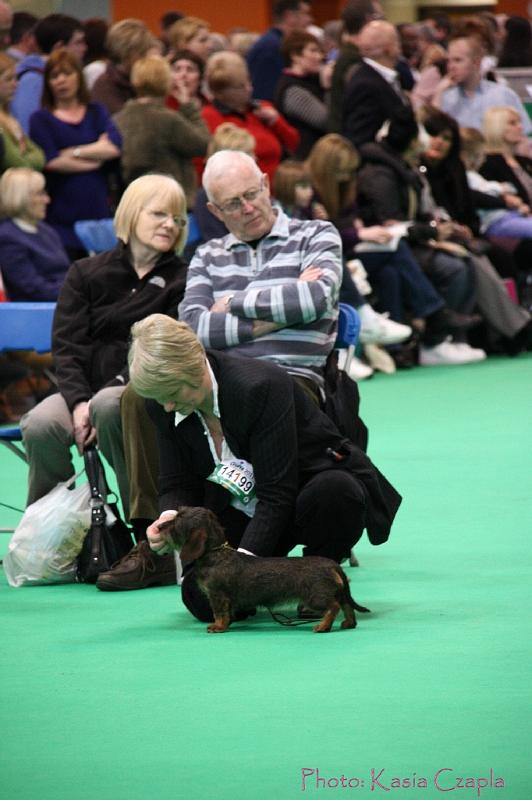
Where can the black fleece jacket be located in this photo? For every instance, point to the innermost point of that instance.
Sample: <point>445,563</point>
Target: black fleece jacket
<point>101,298</point>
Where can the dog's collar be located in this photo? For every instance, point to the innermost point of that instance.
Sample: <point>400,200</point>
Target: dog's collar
<point>224,546</point>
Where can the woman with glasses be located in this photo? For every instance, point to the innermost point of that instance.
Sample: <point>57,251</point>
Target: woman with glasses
<point>101,298</point>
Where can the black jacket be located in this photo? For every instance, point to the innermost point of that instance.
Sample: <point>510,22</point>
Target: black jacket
<point>389,188</point>
<point>495,168</point>
<point>269,421</point>
<point>369,101</point>
<point>101,298</point>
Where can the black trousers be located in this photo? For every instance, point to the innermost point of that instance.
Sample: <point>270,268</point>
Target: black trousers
<point>329,518</point>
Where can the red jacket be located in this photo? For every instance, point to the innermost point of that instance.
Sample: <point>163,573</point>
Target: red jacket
<point>271,141</point>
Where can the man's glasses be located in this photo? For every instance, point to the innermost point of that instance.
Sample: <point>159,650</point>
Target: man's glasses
<point>234,206</point>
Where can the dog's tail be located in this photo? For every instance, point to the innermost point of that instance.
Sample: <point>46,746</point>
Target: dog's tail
<point>344,594</point>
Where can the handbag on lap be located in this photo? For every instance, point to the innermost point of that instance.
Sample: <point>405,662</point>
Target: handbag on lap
<point>106,542</point>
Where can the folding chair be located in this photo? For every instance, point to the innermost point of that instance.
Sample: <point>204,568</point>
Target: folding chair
<point>24,326</point>
<point>96,235</point>
<point>348,331</point>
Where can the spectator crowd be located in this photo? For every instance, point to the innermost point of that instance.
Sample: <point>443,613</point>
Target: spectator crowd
<point>384,166</point>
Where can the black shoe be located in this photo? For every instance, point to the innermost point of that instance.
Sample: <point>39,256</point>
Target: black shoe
<point>461,322</point>
<point>521,342</point>
<point>139,569</point>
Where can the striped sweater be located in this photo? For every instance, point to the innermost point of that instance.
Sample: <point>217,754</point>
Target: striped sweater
<point>265,286</point>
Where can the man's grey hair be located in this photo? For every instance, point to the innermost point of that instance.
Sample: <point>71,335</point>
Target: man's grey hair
<point>223,163</point>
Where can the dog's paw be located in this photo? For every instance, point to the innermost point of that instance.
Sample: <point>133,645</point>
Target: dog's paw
<point>322,628</point>
<point>348,623</point>
<point>214,628</point>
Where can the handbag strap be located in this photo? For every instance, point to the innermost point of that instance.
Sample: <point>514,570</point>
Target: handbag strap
<point>97,485</point>
<point>95,475</point>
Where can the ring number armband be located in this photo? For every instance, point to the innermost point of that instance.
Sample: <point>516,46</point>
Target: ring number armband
<point>235,475</point>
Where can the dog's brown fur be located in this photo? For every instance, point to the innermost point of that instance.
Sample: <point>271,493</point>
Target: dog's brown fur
<point>233,581</point>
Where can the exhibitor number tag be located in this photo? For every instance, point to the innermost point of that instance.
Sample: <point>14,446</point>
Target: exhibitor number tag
<point>237,477</point>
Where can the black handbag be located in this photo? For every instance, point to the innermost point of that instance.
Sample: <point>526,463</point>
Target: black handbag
<point>342,402</point>
<point>103,545</point>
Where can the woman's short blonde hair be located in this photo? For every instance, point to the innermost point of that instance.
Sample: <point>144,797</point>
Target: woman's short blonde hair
<point>151,77</point>
<point>182,31</point>
<point>224,70</point>
<point>16,186</point>
<point>494,125</point>
<point>162,188</point>
<point>164,354</point>
<point>128,40</point>
<point>229,136</point>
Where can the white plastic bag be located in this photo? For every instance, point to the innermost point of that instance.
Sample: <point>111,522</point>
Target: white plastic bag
<point>48,539</point>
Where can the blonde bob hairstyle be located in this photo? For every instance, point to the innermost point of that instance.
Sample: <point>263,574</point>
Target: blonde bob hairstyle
<point>16,187</point>
<point>229,136</point>
<point>164,354</point>
<point>151,77</point>
<point>494,125</point>
<point>128,40</point>
<point>161,189</point>
<point>332,165</point>
<point>185,29</point>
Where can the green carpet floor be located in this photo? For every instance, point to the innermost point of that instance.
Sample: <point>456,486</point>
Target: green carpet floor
<point>125,696</point>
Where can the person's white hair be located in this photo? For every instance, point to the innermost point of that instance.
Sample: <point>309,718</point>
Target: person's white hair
<point>224,162</point>
<point>16,187</point>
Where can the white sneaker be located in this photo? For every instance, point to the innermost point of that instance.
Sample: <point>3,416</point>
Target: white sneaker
<point>378,329</point>
<point>379,359</point>
<point>446,353</point>
<point>358,371</point>
<point>475,353</point>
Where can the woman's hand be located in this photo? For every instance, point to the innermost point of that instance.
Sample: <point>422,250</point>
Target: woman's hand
<point>181,92</point>
<point>375,233</point>
<point>326,74</point>
<point>267,114</point>
<point>319,211</point>
<point>84,433</point>
<point>445,230</point>
<point>155,540</point>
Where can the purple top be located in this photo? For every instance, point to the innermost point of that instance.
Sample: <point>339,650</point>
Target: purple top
<point>33,265</point>
<point>75,195</point>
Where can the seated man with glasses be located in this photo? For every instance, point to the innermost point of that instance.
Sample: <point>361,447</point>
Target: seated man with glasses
<point>268,289</point>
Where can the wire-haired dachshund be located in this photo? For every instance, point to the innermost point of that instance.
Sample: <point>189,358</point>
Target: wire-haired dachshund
<point>233,581</point>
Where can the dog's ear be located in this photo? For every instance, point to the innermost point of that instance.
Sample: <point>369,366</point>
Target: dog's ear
<point>194,546</point>
<point>167,531</point>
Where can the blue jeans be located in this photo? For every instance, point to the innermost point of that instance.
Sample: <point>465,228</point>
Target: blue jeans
<point>400,283</point>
